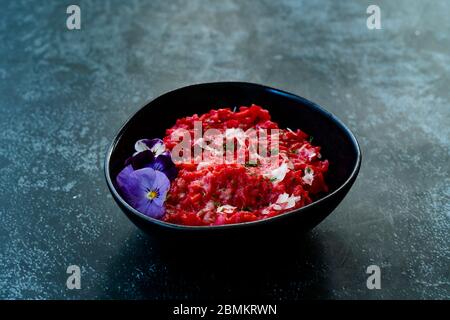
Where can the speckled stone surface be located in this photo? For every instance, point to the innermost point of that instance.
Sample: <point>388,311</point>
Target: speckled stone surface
<point>64,94</point>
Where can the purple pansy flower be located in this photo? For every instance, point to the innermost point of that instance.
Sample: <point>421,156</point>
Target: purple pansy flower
<point>151,153</point>
<point>145,180</point>
<point>144,189</point>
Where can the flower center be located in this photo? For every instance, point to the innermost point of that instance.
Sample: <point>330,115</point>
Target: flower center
<point>152,194</point>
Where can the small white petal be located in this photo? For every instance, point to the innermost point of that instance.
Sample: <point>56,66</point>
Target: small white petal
<point>140,146</point>
<point>279,173</point>
<point>285,201</point>
<point>226,209</point>
<point>158,148</point>
<point>290,203</point>
<point>307,153</point>
<point>282,198</point>
<point>308,177</point>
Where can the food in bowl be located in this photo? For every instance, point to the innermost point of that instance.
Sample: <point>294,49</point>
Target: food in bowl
<point>223,167</point>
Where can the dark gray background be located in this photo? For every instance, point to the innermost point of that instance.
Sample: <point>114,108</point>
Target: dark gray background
<point>64,94</point>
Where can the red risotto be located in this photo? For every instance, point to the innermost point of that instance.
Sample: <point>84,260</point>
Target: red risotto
<point>211,193</point>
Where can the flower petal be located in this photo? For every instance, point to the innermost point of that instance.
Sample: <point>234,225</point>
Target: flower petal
<point>285,201</point>
<point>141,159</point>
<point>150,208</point>
<point>226,209</point>
<point>161,184</point>
<point>145,144</point>
<point>277,207</point>
<point>123,178</point>
<point>131,185</point>
<point>141,145</point>
<point>283,198</point>
<point>165,164</point>
<point>158,148</point>
<point>154,145</point>
<point>309,176</point>
<point>156,211</point>
<point>146,176</point>
<point>278,174</point>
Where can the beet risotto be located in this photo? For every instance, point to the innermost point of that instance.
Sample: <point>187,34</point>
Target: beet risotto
<point>212,193</point>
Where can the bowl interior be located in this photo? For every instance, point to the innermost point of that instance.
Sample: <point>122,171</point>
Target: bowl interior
<point>338,144</point>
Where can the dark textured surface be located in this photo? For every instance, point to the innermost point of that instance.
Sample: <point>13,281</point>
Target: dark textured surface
<point>64,94</point>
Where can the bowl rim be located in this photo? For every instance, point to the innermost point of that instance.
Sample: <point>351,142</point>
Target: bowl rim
<point>305,101</point>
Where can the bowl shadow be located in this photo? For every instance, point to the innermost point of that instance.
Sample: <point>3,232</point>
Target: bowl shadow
<point>279,267</point>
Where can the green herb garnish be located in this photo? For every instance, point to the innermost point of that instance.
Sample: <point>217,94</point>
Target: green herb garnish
<point>250,164</point>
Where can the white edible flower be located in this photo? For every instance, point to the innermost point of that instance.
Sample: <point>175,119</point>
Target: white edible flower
<point>278,174</point>
<point>309,176</point>
<point>226,209</point>
<point>285,201</point>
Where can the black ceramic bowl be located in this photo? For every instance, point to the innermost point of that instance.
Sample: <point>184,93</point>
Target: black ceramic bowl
<point>338,144</point>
